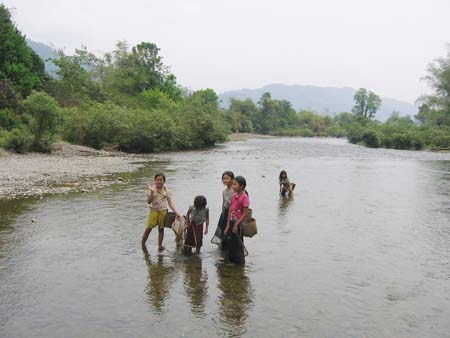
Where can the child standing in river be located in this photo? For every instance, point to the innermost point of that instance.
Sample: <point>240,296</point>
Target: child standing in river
<point>158,197</point>
<point>227,180</point>
<point>196,217</point>
<point>234,234</point>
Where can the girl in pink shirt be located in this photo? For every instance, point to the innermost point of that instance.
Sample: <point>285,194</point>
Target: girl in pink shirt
<point>234,237</point>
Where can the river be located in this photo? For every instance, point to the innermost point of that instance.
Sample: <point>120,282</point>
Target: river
<point>362,249</point>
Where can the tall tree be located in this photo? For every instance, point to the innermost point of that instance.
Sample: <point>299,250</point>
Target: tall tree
<point>18,63</point>
<point>435,109</point>
<point>367,103</point>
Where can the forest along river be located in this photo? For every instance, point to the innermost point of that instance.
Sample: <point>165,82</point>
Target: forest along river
<point>361,250</point>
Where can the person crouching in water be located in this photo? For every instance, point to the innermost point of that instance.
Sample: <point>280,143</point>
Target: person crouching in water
<point>234,234</point>
<point>197,215</point>
<point>158,197</point>
<point>285,185</point>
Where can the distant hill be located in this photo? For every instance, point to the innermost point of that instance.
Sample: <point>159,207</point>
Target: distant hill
<point>45,52</point>
<point>323,100</point>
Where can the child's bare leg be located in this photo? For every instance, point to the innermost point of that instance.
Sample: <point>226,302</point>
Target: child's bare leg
<point>197,249</point>
<point>160,237</point>
<point>145,236</point>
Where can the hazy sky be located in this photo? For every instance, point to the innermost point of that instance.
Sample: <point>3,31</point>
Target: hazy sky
<point>383,45</point>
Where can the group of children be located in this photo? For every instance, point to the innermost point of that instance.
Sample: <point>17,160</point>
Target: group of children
<point>235,204</point>
<point>235,208</point>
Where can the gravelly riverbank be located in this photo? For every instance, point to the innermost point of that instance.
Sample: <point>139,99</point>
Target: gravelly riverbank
<point>68,168</point>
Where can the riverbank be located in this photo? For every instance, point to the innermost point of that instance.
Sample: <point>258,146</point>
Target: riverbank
<point>247,136</point>
<point>70,168</point>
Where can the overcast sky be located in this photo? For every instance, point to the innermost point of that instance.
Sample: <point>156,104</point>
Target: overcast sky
<point>383,45</point>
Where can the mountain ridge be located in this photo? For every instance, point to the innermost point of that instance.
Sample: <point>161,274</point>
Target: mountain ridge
<point>327,100</point>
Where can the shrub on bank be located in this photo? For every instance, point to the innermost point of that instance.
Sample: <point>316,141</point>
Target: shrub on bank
<point>43,118</point>
<point>371,138</point>
<point>95,125</point>
<point>146,132</point>
<point>19,140</point>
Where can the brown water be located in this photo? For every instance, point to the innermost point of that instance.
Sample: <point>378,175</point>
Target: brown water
<point>361,250</point>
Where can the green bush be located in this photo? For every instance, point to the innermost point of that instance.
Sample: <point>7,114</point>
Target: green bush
<point>441,140</point>
<point>43,117</point>
<point>146,132</point>
<point>398,141</point>
<point>371,138</point>
<point>96,125</point>
<point>8,119</point>
<point>19,139</point>
<point>355,132</point>
<point>336,131</point>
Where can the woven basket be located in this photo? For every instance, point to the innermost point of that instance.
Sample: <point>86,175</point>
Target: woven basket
<point>249,227</point>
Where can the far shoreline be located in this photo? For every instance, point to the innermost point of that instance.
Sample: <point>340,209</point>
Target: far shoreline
<point>247,136</point>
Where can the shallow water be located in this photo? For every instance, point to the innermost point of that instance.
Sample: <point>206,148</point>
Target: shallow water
<point>361,250</point>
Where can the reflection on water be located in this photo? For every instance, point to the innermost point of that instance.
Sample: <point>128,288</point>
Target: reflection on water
<point>161,275</point>
<point>360,250</point>
<point>235,299</point>
<point>196,284</point>
<point>283,205</point>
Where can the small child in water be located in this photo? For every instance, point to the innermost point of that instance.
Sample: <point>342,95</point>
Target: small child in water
<point>158,198</point>
<point>197,215</point>
<point>285,185</point>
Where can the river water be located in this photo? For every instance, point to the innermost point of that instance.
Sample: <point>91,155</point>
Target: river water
<point>362,249</point>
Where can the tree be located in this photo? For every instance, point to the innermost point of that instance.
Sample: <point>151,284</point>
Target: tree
<point>18,62</point>
<point>435,109</point>
<point>76,80</point>
<point>241,115</point>
<point>366,103</point>
<point>44,117</point>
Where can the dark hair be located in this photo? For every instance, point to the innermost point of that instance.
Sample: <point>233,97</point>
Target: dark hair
<point>200,202</point>
<point>281,173</point>
<point>160,175</point>
<point>228,173</point>
<point>241,181</point>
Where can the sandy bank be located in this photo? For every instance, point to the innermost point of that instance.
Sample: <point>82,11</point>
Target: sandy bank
<point>246,136</point>
<point>68,168</point>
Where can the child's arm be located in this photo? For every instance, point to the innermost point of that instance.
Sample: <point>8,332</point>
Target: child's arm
<point>240,220</point>
<point>207,222</point>
<point>172,206</point>
<point>150,194</point>
<point>228,221</point>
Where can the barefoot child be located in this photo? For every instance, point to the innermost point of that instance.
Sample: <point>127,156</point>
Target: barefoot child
<point>234,235</point>
<point>197,215</point>
<point>285,185</point>
<point>158,197</point>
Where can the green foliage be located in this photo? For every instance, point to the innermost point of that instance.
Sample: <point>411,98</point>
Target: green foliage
<point>9,95</point>
<point>435,109</point>
<point>148,131</point>
<point>19,140</point>
<point>196,123</point>
<point>43,119</point>
<point>8,119</point>
<point>241,115</point>
<point>371,138</point>
<point>366,103</point>
<point>18,62</point>
<point>95,125</point>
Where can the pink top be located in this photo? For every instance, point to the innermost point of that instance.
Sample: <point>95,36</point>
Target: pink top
<point>238,203</point>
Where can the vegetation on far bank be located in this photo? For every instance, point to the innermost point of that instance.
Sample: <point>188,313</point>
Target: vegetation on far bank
<point>129,99</point>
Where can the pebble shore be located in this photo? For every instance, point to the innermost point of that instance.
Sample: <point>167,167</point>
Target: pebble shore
<point>69,168</point>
